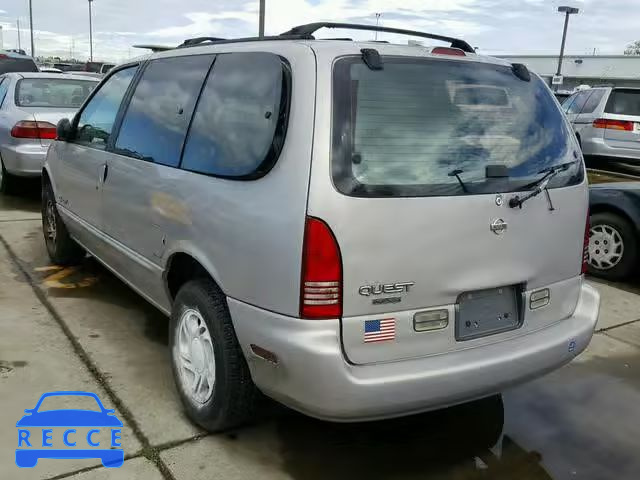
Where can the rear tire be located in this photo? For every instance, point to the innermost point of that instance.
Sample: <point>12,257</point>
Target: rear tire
<point>613,246</point>
<point>6,180</point>
<point>62,249</point>
<point>209,368</point>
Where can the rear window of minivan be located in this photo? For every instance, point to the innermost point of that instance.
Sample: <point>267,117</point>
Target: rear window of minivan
<point>624,102</point>
<point>404,130</point>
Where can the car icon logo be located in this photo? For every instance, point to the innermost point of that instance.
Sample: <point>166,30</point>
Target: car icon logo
<point>35,432</point>
<point>498,226</point>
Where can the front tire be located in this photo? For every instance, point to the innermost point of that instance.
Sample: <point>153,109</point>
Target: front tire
<point>62,249</point>
<point>613,246</point>
<point>209,368</point>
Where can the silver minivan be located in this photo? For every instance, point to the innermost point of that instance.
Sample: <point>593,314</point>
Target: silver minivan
<point>607,121</point>
<point>359,230</point>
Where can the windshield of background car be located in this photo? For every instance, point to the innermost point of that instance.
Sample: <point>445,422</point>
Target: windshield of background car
<point>50,92</point>
<point>11,64</point>
<point>402,130</point>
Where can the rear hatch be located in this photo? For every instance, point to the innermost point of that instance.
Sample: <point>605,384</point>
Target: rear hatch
<point>414,239</point>
<point>622,119</point>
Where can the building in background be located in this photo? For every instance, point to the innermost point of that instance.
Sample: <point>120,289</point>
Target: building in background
<point>618,70</point>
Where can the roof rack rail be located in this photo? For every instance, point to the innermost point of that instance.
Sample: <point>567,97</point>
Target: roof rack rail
<point>306,32</point>
<point>189,42</point>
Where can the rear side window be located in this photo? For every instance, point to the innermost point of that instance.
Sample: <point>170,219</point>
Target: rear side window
<point>155,124</point>
<point>4,86</point>
<point>624,102</point>
<point>239,125</point>
<point>593,101</point>
<point>10,64</point>
<point>579,102</point>
<point>404,130</point>
<point>98,116</point>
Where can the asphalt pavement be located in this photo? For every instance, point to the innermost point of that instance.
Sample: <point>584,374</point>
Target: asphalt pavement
<point>80,328</point>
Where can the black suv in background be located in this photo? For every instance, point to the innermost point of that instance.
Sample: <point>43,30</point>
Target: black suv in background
<point>15,62</point>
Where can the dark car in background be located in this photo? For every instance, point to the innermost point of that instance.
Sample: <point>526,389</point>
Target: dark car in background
<point>614,234</point>
<point>16,62</point>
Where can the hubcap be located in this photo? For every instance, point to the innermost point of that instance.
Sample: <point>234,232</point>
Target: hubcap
<point>51,221</point>
<point>605,247</point>
<point>194,357</point>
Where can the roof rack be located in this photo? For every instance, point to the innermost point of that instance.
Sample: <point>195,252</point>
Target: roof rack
<point>307,31</point>
<point>189,42</point>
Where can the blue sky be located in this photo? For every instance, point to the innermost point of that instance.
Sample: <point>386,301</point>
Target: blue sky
<point>495,26</point>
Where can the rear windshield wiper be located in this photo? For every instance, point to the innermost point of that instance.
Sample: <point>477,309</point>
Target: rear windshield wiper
<point>541,184</point>
<point>456,173</point>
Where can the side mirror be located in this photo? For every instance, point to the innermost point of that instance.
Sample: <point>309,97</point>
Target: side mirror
<point>64,130</point>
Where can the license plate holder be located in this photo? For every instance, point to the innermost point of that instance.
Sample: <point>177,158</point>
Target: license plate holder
<point>481,313</point>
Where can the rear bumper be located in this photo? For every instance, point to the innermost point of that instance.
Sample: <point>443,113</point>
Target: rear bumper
<point>313,377</point>
<point>598,147</point>
<point>24,159</point>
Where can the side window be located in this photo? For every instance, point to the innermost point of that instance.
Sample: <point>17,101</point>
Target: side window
<point>240,122</point>
<point>593,101</point>
<point>96,120</point>
<point>156,121</point>
<point>578,104</point>
<point>624,102</point>
<point>568,102</point>
<point>4,86</point>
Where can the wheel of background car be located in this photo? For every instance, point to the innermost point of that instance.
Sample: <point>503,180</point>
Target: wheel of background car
<point>209,368</point>
<point>6,179</point>
<point>62,249</point>
<point>613,246</point>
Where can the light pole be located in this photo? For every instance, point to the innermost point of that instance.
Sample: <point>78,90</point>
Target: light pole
<point>378,15</point>
<point>567,11</point>
<point>90,33</point>
<point>33,51</point>
<point>261,19</point>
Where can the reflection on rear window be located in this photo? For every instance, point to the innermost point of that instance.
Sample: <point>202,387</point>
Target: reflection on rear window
<point>402,130</point>
<point>625,102</point>
<point>50,92</point>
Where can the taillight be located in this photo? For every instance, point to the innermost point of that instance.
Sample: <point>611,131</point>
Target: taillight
<point>585,246</point>
<point>448,51</point>
<point>613,124</point>
<point>321,287</point>
<point>31,129</point>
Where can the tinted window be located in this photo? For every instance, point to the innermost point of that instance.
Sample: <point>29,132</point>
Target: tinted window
<point>52,92</point>
<point>567,103</point>
<point>624,102</point>
<point>96,120</point>
<point>403,130</point>
<point>156,121</point>
<point>11,64</point>
<point>578,104</point>
<point>4,86</point>
<point>239,124</point>
<point>593,101</point>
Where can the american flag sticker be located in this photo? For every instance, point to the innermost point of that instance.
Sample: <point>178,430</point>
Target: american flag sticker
<point>379,330</point>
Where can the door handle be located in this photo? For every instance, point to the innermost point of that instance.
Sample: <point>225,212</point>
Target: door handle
<point>102,175</point>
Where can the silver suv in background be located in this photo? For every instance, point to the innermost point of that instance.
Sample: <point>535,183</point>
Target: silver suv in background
<point>31,104</point>
<point>606,121</point>
<point>358,230</point>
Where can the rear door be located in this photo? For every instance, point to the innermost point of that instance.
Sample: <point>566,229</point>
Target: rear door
<point>577,105</point>
<point>414,239</point>
<point>623,108</point>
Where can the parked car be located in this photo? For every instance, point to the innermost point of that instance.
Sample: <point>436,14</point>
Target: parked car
<point>30,106</point>
<point>16,62</point>
<point>607,121</point>
<point>352,228</point>
<point>614,237</point>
